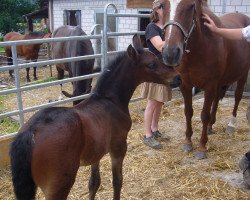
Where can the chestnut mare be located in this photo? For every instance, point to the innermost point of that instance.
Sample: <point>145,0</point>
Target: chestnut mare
<point>49,148</point>
<point>29,52</point>
<point>73,48</point>
<point>204,60</point>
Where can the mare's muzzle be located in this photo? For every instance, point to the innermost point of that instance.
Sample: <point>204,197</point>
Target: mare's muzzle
<point>172,55</point>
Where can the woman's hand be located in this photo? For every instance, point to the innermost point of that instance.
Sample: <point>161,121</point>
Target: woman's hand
<point>209,23</point>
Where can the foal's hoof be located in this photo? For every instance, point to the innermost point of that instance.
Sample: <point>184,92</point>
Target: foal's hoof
<point>210,131</point>
<point>199,155</point>
<point>230,129</point>
<point>187,147</point>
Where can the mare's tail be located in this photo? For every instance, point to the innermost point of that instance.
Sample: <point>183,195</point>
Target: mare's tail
<point>20,154</point>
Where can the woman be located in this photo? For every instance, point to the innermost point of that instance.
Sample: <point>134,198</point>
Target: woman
<point>234,34</point>
<point>156,94</point>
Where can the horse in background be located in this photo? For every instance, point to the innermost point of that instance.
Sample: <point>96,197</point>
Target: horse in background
<point>51,146</point>
<point>204,60</point>
<point>29,52</point>
<point>73,48</point>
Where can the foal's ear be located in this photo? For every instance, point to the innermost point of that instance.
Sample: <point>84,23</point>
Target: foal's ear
<point>137,42</point>
<point>131,52</point>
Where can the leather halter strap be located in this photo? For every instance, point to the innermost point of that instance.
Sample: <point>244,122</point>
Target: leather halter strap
<point>185,34</point>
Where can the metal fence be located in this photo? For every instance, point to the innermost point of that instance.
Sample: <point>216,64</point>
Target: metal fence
<point>18,89</point>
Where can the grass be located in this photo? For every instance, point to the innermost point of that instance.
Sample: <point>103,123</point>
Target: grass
<point>7,125</point>
<point>1,50</point>
<point>49,79</point>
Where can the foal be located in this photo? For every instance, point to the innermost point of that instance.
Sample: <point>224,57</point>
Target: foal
<point>49,148</point>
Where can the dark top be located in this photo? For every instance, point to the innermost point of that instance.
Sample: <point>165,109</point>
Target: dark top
<point>153,30</point>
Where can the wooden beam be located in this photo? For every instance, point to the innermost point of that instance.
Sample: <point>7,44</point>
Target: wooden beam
<point>139,3</point>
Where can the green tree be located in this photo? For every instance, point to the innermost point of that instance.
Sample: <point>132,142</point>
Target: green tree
<point>11,14</point>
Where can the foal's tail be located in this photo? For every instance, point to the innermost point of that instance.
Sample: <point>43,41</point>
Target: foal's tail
<point>20,154</point>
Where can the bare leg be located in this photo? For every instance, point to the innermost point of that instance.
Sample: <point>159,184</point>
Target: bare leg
<point>94,181</point>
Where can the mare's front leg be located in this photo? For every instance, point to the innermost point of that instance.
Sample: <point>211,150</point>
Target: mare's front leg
<point>188,109</point>
<point>117,153</point>
<point>94,181</point>
<point>34,74</point>
<point>60,76</point>
<point>219,93</point>
<point>238,96</point>
<point>28,74</point>
<point>205,118</point>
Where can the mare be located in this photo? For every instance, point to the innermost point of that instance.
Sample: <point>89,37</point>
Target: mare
<point>204,60</point>
<point>73,48</point>
<point>49,148</point>
<point>29,52</point>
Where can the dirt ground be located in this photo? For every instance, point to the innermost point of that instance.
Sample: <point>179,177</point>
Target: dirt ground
<point>167,173</point>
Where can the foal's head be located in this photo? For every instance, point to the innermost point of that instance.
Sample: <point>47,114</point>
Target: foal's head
<point>180,17</point>
<point>148,67</point>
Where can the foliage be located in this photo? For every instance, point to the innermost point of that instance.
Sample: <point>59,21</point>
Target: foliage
<point>11,14</point>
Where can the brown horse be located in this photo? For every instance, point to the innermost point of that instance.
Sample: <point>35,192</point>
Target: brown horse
<point>204,60</point>
<point>73,48</point>
<point>49,148</point>
<point>29,52</point>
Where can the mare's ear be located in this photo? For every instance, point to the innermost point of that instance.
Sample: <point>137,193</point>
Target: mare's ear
<point>137,42</point>
<point>131,52</point>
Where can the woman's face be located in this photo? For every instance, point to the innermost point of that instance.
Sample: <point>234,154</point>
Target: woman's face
<point>160,12</point>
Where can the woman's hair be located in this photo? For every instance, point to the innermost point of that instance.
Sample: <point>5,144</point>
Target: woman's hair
<point>154,17</point>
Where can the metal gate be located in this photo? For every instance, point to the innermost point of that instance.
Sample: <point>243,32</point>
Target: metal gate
<point>18,89</point>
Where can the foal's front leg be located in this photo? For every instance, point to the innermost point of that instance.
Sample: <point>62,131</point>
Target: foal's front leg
<point>187,94</point>
<point>117,154</point>
<point>94,181</point>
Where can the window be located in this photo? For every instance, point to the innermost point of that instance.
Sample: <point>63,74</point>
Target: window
<point>72,17</point>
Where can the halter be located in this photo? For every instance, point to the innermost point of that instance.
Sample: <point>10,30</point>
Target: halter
<point>185,34</point>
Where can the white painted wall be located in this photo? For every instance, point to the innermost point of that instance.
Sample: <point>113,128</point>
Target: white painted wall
<point>88,7</point>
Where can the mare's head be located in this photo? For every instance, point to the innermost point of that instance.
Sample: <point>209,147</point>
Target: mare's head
<point>181,18</point>
<point>148,67</point>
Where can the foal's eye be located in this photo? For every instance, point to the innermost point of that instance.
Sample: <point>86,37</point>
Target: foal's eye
<point>192,6</point>
<point>152,65</point>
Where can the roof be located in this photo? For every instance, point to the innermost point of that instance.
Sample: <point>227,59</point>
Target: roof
<point>38,14</point>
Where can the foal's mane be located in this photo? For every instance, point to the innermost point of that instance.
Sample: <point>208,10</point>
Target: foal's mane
<point>110,73</point>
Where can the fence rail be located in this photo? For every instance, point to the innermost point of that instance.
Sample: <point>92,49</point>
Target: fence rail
<point>18,89</point>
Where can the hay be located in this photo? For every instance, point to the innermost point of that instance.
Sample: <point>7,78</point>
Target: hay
<point>169,173</point>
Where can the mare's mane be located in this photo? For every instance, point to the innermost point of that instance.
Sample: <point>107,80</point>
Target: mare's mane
<point>109,75</point>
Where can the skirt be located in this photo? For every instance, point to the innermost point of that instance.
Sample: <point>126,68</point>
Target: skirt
<point>158,92</point>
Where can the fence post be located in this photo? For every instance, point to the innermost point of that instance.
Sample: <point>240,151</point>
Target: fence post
<point>17,83</point>
<point>105,35</point>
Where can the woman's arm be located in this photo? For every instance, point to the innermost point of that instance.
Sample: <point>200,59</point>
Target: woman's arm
<point>157,42</point>
<point>234,34</point>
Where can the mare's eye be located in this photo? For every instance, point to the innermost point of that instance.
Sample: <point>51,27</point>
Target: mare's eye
<point>152,65</point>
